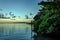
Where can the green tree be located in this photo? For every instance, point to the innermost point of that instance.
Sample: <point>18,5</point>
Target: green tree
<point>50,23</point>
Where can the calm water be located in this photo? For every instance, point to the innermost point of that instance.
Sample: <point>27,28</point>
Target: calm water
<point>15,31</point>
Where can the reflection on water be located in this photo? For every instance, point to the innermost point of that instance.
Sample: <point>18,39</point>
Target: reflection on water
<point>15,31</point>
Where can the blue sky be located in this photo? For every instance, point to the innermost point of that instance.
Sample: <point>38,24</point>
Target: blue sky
<point>20,7</point>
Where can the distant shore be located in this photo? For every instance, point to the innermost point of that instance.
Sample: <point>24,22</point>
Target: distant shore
<point>15,20</point>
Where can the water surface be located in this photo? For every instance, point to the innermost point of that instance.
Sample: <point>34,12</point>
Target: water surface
<point>15,31</point>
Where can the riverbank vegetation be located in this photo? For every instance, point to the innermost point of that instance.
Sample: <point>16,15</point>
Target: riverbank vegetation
<point>47,20</point>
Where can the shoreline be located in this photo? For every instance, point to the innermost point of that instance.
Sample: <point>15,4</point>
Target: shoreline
<point>26,21</point>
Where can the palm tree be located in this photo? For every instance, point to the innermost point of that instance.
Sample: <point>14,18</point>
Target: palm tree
<point>31,15</point>
<point>14,17</point>
<point>26,16</point>
<point>10,13</point>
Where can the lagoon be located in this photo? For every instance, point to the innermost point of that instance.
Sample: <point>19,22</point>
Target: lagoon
<point>15,31</point>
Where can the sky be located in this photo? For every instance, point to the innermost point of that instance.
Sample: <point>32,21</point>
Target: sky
<point>20,7</point>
